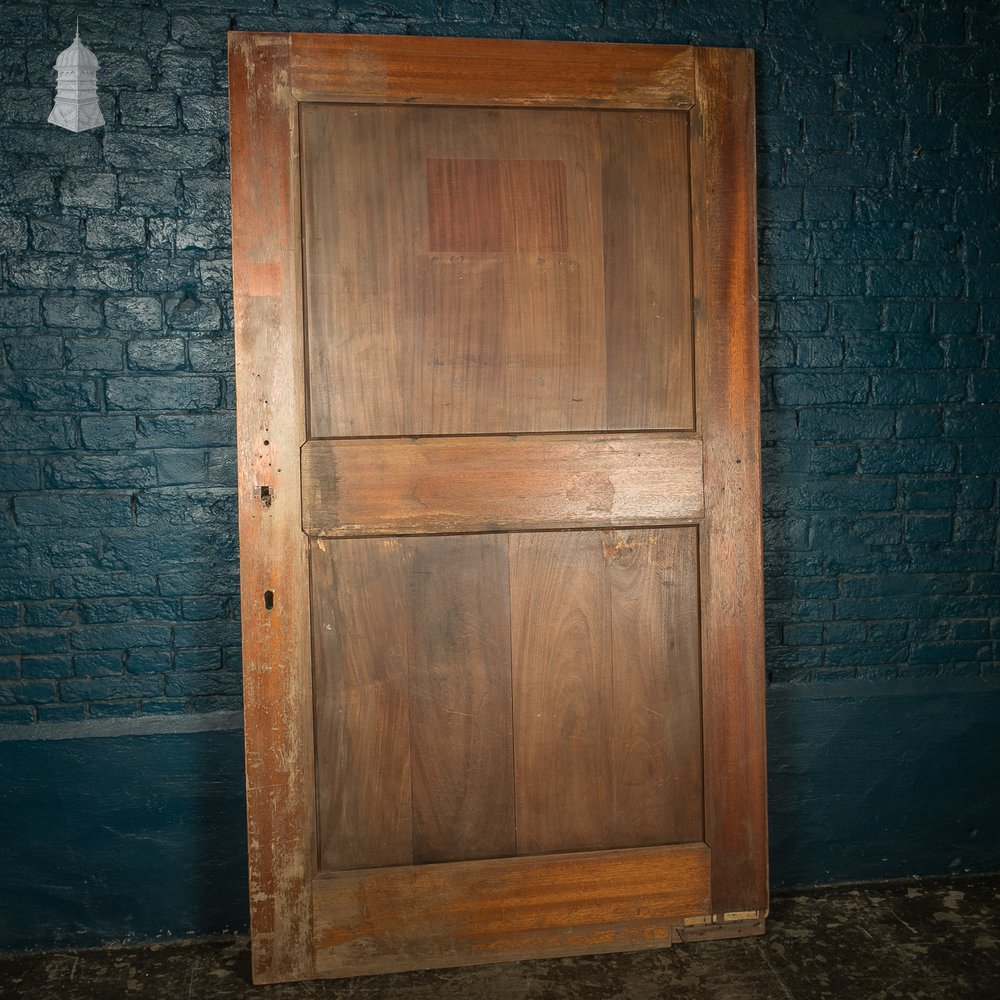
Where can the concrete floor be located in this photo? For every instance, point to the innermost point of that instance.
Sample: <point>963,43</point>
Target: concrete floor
<point>924,940</point>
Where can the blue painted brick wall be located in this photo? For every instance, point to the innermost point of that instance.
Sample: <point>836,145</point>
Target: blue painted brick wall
<point>879,166</point>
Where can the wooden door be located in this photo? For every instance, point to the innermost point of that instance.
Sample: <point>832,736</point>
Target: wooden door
<point>499,499</point>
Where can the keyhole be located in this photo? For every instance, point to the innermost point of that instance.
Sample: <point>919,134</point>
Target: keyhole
<point>268,600</point>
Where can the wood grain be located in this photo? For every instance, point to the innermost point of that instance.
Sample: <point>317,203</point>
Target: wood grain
<point>351,231</point>
<point>553,304</point>
<point>517,360</point>
<point>732,631</point>
<point>562,686</point>
<point>647,270</point>
<point>493,911</point>
<point>496,335</point>
<point>479,71</point>
<point>413,718</point>
<point>361,659</point>
<point>457,484</point>
<point>497,206</point>
<point>507,270</point>
<point>607,714</point>
<point>277,689</point>
<point>656,708</point>
<point>453,341</point>
<point>458,618</point>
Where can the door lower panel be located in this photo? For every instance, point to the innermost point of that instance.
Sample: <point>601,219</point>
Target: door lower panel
<point>523,693</point>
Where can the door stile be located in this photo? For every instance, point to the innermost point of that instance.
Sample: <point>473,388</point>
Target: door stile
<point>274,558</point>
<point>725,291</point>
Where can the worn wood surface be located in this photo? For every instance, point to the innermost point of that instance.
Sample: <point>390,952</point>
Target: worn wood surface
<point>562,683</point>
<point>361,660</point>
<point>456,484</point>
<point>732,633</point>
<point>568,310</point>
<point>480,205</point>
<point>496,270</point>
<point>607,723</point>
<point>482,71</point>
<point>656,708</point>
<point>466,279</point>
<point>721,931</point>
<point>270,414</point>
<point>592,715</point>
<point>501,910</point>
<point>460,698</point>
<point>647,270</point>
<point>413,730</point>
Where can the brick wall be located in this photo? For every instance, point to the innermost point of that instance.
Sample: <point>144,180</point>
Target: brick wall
<point>878,150</point>
<point>879,146</point>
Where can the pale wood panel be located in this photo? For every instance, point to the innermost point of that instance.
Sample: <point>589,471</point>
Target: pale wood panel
<point>647,270</point>
<point>444,304</point>
<point>506,909</point>
<point>553,303</point>
<point>562,685</point>
<point>458,616</point>
<point>472,309</point>
<point>361,655</point>
<point>725,263</point>
<point>419,485</point>
<point>461,379</point>
<point>657,684</point>
<point>413,719</point>
<point>475,71</point>
<point>506,337</point>
<point>270,401</point>
<point>352,228</point>
<point>497,335</point>
<point>718,928</point>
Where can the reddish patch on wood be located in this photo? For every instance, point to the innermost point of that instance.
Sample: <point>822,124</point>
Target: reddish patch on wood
<point>497,206</point>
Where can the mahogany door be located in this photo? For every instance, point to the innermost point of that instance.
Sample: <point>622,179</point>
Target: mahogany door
<point>499,499</point>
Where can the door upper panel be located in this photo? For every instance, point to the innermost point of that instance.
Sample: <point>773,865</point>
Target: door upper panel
<point>496,270</point>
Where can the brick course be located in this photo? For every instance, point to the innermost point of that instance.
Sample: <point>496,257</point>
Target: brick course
<point>878,160</point>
